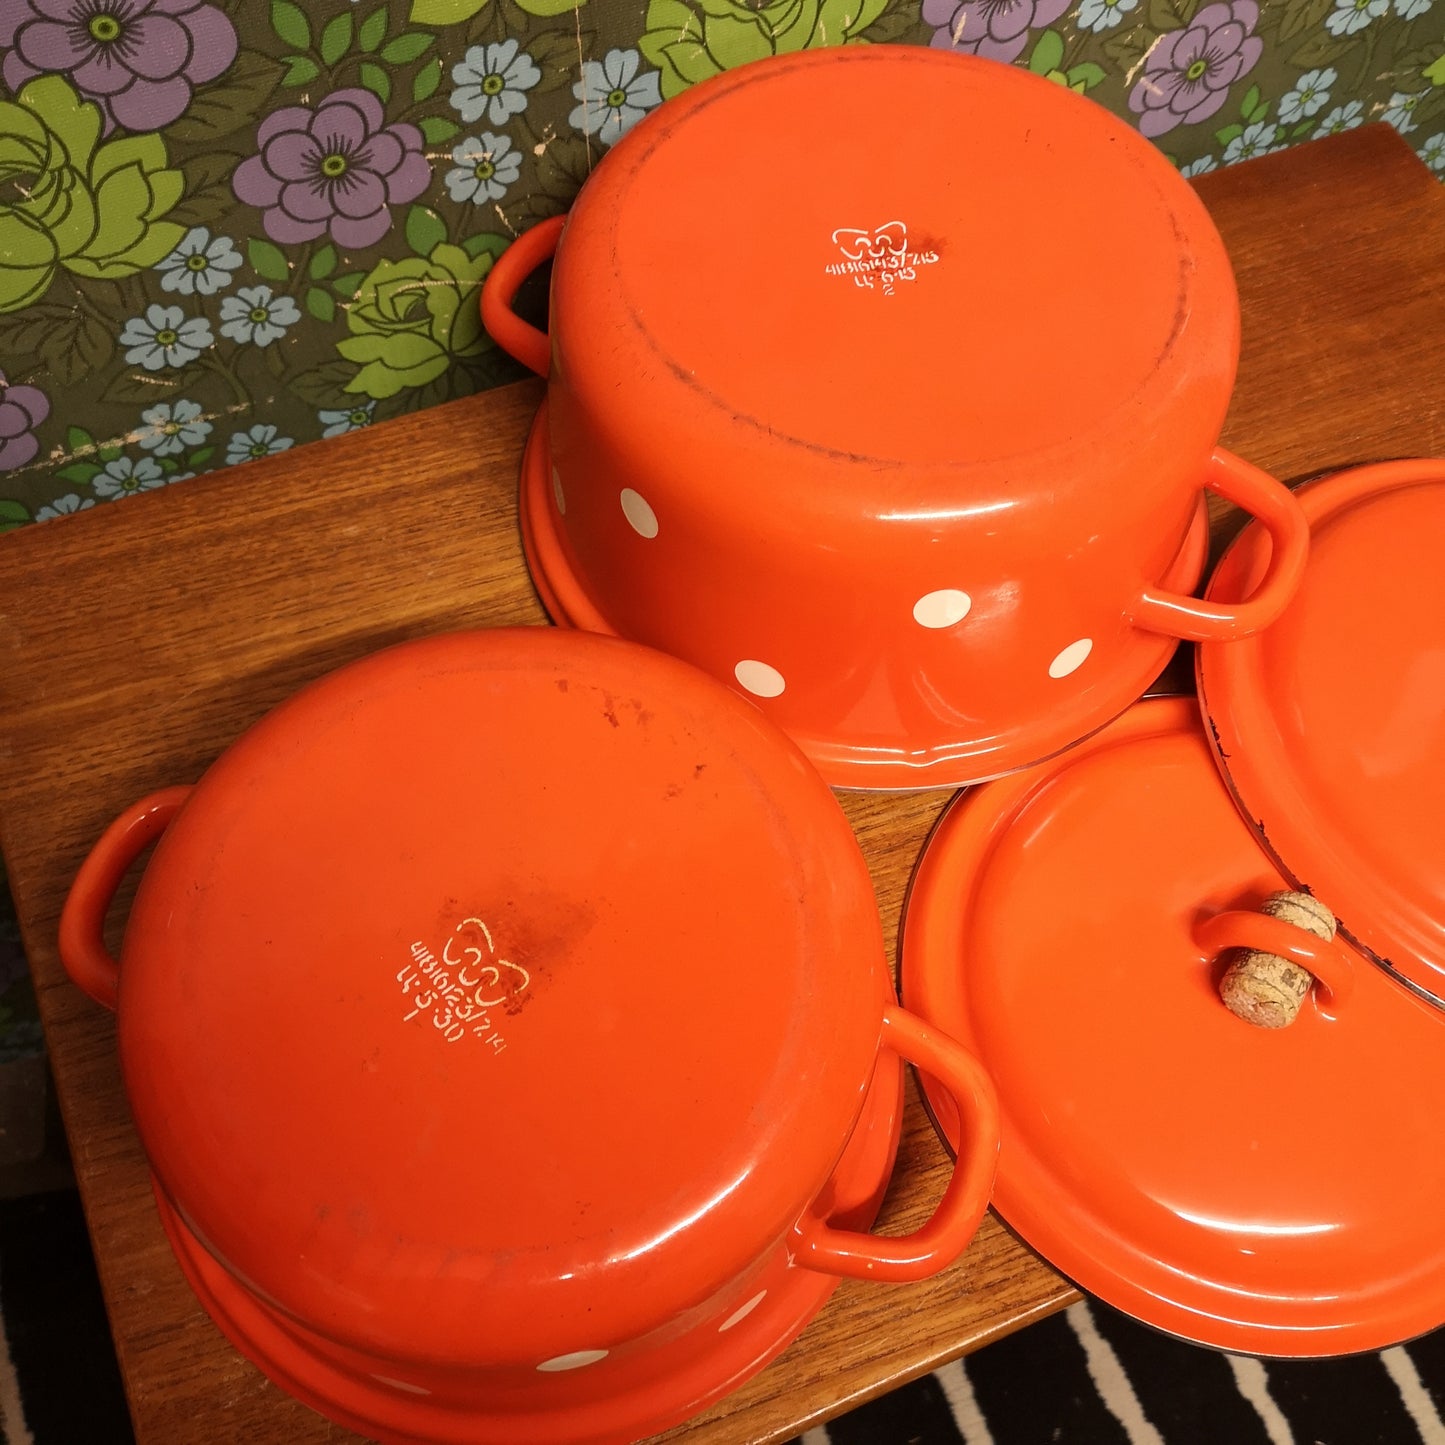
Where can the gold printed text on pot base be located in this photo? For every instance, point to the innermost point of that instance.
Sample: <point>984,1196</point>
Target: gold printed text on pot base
<point>882,252</point>
<point>458,991</point>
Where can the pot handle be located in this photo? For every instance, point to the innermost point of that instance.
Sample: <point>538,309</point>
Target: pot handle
<point>818,1246</point>
<point>522,340</point>
<point>1283,951</point>
<point>82,920</point>
<point>1273,504</point>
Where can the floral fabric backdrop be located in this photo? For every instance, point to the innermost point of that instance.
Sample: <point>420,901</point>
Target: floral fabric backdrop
<point>229,228</point>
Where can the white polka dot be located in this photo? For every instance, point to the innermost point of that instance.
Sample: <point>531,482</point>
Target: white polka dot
<point>402,1385</point>
<point>639,513</point>
<point>574,1361</point>
<point>742,1312</point>
<point>1071,659</point>
<point>558,493</point>
<point>942,608</point>
<point>759,679</point>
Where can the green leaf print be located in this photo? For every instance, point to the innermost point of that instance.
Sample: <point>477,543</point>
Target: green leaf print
<point>299,69</point>
<point>544,9</point>
<point>373,30</point>
<point>692,40</point>
<point>233,103</point>
<point>12,515</point>
<point>290,23</point>
<point>406,48</point>
<point>376,80</point>
<point>1048,52</point>
<point>443,12</point>
<point>336,38</point>
<point>426,81</point>
<point>425,230</point>
<point>267,260</point>
<point>320,304</point>
<point>81,473</point>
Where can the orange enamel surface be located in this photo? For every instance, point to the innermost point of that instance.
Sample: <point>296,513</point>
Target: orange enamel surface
<point>503,996</point>
<point>639,1393</point>
<point>817,424</point>
<point>1246,1188</point>
<point>1330,727</point>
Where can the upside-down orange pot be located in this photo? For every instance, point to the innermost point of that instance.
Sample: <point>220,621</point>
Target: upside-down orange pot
<point>901,424</point>
<point>507,1025</point>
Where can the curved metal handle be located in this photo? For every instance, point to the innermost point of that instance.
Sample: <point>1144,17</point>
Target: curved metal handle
<point>522,340</point>
<point>1273,504</point>
<point>82,920</point>
<point>948,1231</point>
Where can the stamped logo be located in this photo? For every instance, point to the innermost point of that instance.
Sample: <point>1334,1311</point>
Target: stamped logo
<point>461,992</point>
<point>879,259</point>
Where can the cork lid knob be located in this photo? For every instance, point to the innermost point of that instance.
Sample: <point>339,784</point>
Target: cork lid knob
<point>1264,988</point>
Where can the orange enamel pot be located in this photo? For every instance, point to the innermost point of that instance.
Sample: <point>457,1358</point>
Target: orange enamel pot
<point>899,424</point>
<point>507,1025</point>
<point>1267,1190</point>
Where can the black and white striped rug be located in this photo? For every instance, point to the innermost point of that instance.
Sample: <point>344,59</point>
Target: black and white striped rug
<point>1091,1376</point>
<point>1086,1377</point>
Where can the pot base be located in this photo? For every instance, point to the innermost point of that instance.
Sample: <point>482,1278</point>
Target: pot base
<point>399,1414</point>
<point>852,768</point>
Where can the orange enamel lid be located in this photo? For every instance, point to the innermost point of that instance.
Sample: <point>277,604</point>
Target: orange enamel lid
<point>1269,1191</point>
<point>883,288</point>
<point>499,997</point>
<point>1330,725</point>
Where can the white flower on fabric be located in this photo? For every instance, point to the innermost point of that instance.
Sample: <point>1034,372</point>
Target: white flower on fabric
<point>199,263</point>
<point>485,168</point>
<point>493,81</point>
<point>1350,16</point>
<point>1310,95</point>
<point>164,337</point>
<point>1100,15</point>
<point>122,477</point>
<point>338,423</point>
<point>1257,140</point>
<point>256,314</point>
<point>260,441</point>
<point>173,428</point>
<point>63,507</point>
<point>1201,167</point>
<point>1400,111</point>
<point>1433,153</point>
<point>1342,117</point>
<point>614,97</point>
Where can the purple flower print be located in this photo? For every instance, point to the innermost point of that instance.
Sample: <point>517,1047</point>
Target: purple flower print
<point>137,59</point>
<point>336,168</point>
<point>22,409</point>
<point>995,29</point>
<point>1188,72</point>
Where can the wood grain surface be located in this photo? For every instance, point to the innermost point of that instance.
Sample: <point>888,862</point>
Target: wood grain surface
<point>138,640</point>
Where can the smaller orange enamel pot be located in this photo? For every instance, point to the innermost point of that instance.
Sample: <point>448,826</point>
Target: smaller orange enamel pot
<point>905,433</point>
<point>507,1025</point>
<point>1265,1190</point>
